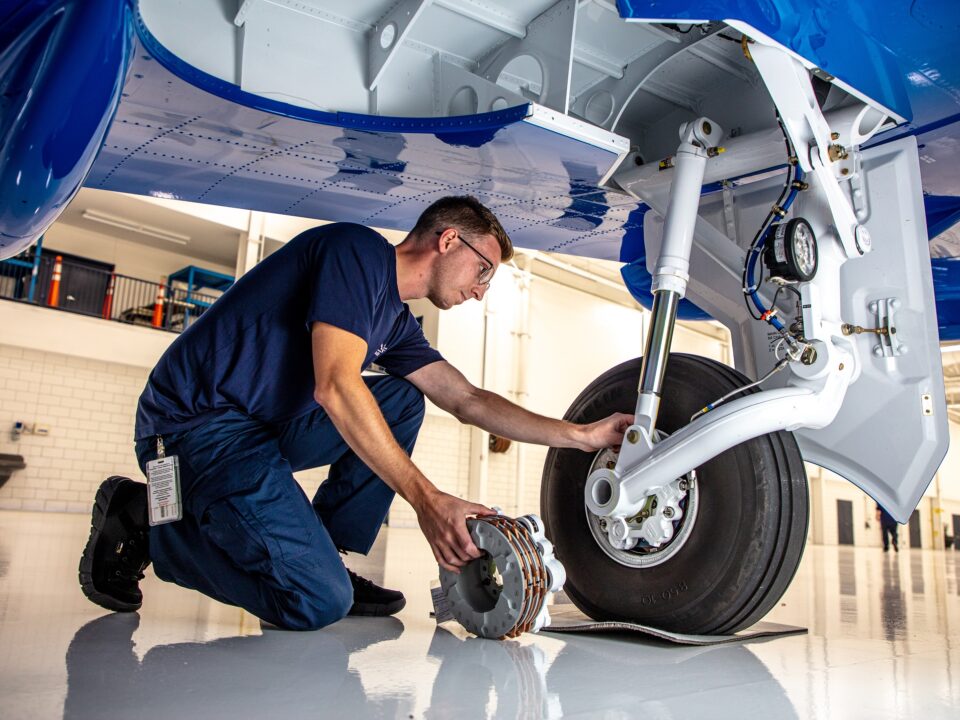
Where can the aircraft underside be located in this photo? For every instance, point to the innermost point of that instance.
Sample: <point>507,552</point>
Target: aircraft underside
<point>781,170</point>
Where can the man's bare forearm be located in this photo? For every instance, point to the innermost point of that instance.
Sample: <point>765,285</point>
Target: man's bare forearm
<point>356,415</point>
<point>497,415</point>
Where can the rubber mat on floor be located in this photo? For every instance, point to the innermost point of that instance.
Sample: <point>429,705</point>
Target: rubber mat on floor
<point>567,618</point>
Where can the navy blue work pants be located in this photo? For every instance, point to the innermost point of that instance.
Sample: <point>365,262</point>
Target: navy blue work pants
<point>891,531</point>
<point>249,535</point>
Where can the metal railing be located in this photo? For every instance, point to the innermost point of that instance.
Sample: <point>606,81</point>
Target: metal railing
<point>98,293</point>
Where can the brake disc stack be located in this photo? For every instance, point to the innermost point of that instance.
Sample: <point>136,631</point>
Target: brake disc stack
<point>504,593</point>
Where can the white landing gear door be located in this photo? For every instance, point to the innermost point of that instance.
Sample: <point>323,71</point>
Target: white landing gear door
<point>891,433</point>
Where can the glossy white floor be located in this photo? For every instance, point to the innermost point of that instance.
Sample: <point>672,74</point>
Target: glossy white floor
<point>884,641</point>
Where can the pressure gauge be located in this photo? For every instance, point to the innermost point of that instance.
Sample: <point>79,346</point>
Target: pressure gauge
<point>792,251</point>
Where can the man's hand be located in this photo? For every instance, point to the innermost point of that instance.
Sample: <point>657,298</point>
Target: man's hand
<point>606,433</point>
<point>442,519</point>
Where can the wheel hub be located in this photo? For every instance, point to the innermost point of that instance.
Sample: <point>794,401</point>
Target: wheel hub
<point>658,531</point>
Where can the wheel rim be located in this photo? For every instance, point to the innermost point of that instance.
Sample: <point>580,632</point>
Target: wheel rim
<point>750,528</point>
<point>646,556</point>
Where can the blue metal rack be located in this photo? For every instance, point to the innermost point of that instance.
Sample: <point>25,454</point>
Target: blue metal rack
<point>27,263</point>
<point>197,278</point>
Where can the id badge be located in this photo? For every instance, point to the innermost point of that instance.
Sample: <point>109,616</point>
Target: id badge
<point>163,487</point>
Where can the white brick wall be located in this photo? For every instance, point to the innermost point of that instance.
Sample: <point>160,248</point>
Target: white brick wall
<point>89,402</point>
<point>89,406</point>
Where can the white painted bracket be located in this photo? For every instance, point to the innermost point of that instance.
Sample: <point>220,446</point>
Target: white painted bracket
<point>241,17</point>
<point>484,95</point>
<point>788,83</point>
<point>884,312</point>
<point>604,103</point>
<point>388,35</point>
<point>549,40</point>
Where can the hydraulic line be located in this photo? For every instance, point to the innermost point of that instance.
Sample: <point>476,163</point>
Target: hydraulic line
<point>781,364</point>
<point>779,210</point>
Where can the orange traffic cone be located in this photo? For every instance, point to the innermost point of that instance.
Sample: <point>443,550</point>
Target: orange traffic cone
<point>158,304</point>
<point>108,298</point>
<point>53,297</point>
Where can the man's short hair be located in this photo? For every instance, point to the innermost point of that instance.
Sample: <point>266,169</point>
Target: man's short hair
<point>466,214</point>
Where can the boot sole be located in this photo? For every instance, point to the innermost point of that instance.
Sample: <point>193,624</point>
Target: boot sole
<point>100,506</point>
<point>376,609</point>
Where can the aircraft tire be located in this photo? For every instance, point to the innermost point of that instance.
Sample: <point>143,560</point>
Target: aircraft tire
<point>748,532</point>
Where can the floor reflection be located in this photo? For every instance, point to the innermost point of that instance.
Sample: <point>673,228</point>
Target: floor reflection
<point>847,571</point>
<point>473,670</point>
<point>916,573</point>
<point>320,673</point>
<point>250,676</point>
<point>607,676</point>
<point>893,616</point>
<point>953,564</point>
<point>665,681</point>
<point>847,584</point>
<point>884,650</point>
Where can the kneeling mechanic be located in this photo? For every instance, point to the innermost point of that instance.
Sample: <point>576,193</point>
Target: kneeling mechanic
<point>268,382</point>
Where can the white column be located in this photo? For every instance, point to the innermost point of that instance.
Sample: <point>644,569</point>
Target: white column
<point>521,389</point>
<point>250,245</point>
<point>478,485</point>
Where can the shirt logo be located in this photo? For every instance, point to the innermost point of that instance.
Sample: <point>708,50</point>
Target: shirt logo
<point>382,349</point>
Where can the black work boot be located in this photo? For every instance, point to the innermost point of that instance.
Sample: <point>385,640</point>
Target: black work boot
<point>117,552</point>
<point>371,600</point>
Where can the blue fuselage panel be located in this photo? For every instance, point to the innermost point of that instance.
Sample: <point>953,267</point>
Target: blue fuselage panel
<point>180,133</point>
<point>901,54</point>
<point>62,68</point>
<point>183,134</point>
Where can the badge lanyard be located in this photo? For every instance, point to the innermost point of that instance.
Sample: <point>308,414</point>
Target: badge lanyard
<point>163,484</point>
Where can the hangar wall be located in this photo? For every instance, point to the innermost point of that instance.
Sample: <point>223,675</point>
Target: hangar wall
<point>129,258</point>
<point>82,376</point>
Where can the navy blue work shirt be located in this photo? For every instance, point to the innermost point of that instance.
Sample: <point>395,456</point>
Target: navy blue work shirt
<point>886,519</point>
<point>252,351</point>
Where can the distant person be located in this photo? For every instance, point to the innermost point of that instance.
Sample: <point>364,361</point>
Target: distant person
<point>888,529</point>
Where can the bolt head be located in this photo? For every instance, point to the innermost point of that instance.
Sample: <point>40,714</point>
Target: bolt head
<point>668,512</point>
<point>632,436</point>
<point>864,243</point>
<point>809,355</point>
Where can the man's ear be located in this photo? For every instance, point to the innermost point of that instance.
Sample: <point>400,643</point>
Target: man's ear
<point>445,240</point>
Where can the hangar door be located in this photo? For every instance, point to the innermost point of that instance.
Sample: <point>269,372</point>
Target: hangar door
<point>844,522</point>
